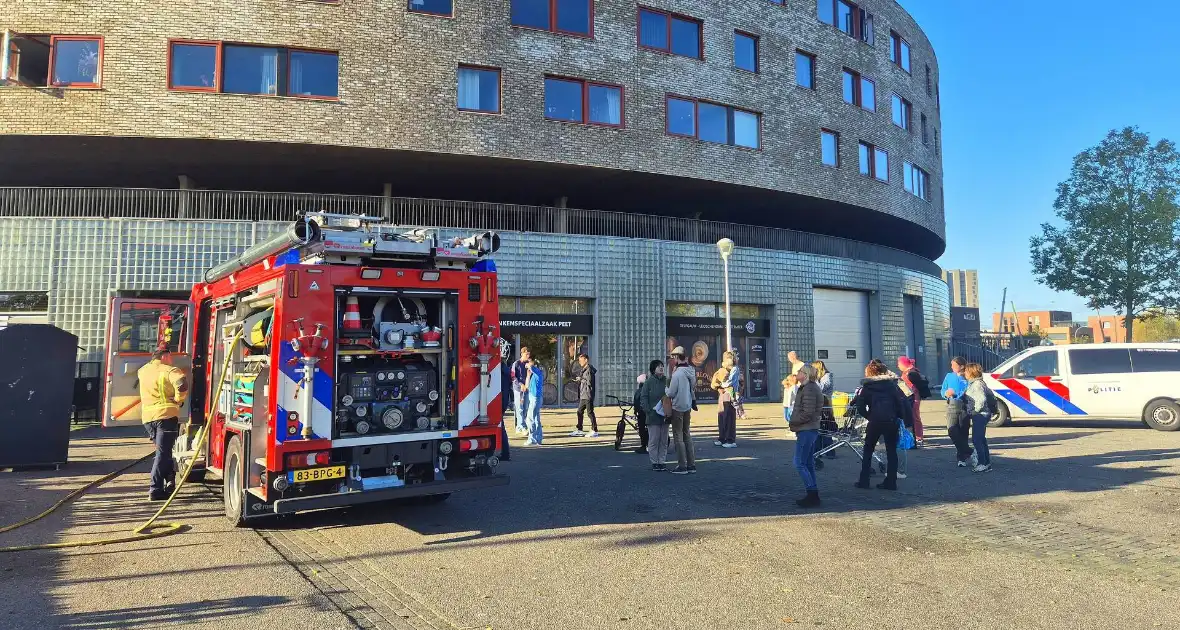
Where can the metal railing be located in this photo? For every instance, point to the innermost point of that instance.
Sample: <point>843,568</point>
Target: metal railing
<point>220,205</point>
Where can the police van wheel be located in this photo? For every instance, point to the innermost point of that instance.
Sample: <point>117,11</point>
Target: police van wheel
<point>1162,415</point>
<point>232,487</point>
<point>1002,418</point>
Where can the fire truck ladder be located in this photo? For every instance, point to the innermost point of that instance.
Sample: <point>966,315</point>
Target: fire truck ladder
<point>149,528</point>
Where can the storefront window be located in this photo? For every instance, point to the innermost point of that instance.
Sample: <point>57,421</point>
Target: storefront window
<point>692,309</point>
<point>507,305</point>
<point>573,345</point>
<point>561,306</point>
<point>543,348</point>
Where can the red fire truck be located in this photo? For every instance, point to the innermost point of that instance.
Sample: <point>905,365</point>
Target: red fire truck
<point>340,362</point>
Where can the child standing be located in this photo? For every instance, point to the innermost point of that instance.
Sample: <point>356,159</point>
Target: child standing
<point>790,390</point>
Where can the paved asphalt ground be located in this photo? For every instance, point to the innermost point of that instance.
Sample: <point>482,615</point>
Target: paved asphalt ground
<point>1075,528</point>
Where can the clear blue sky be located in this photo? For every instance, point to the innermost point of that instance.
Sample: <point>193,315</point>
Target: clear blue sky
<point>1025,87</point>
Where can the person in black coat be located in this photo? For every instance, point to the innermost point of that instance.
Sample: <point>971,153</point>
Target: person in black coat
<point>506,399</point>
<point>883,403</point>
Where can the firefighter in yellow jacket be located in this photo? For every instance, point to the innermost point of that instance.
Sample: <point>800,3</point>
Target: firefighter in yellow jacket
<point>162,389</point>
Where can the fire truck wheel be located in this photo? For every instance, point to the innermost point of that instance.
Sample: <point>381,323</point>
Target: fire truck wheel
<point>232,487</point>
<point>432,499</point>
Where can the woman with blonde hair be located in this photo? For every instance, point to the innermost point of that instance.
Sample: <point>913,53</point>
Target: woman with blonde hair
<point>979,401</point>
<point>823,378</point>
<point>726,413</point>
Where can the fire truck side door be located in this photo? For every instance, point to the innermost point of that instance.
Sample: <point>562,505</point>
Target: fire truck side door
<point>132,337</point>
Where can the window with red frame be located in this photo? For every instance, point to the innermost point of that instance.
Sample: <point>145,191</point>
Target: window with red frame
<point>874,162</point>
<point>848,17</point>
<point>585,102</point>
<point>711,122</point>
<point>899,51</point>
<point>860,90</point>
<point>829,147</point>
<point>574,17</point>
<point>675,34</point>
<point>197,66</point>
<point>903,112</point>
<point>73,61</point>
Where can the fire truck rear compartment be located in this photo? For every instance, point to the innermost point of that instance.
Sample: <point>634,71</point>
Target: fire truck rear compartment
<point>392,363</point>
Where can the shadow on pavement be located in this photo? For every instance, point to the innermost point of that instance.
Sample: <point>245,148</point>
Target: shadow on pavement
<point>171,614</point>
<point>572,483</point>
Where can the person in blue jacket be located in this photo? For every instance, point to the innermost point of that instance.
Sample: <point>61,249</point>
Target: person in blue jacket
<point>536,385</point>
<point>958,426</point>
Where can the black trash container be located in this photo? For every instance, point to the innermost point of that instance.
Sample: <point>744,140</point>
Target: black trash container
<point>36,392</point>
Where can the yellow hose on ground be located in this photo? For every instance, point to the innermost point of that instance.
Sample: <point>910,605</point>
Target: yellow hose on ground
<point>146,530</point>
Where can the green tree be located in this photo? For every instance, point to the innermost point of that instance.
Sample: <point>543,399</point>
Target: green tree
<point>1119,247</point>
<point>1158,327</point>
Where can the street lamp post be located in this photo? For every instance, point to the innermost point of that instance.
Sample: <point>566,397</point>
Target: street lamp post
<point>725,246</point>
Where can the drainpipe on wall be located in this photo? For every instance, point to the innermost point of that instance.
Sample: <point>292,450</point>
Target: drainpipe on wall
<point>561,225</point>
<point>4,55</point>
<point>387,202</point>
<point>185,184</point>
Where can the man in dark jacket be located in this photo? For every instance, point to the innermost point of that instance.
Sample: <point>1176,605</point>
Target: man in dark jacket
<point>505,397</point>
<point>586,390</point>
<point>882,402</point>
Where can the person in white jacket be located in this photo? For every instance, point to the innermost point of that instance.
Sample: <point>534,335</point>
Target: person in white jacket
<point>680,394</point>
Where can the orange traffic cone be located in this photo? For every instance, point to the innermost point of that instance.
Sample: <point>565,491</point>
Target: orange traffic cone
<point>352,314</point>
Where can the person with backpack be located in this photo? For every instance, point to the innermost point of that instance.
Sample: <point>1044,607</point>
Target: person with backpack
<point>920,387</point>
<point>980,405</point>
<point>640,418</point>
<point>958,426</point>
<point>882,402</point>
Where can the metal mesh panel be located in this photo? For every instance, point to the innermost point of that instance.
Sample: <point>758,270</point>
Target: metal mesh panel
<point>86,253</point>
<point>25,254</point>
<point>172,255</point>
<point>219,205</point>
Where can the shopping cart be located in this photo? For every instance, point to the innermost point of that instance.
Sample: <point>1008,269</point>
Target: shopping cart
<point>850,434</point>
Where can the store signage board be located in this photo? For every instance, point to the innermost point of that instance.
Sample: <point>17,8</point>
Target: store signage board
<point>526,323</point>
<point>716,325</point>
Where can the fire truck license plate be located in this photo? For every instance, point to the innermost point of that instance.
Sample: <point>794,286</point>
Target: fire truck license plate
<point>315,474</point>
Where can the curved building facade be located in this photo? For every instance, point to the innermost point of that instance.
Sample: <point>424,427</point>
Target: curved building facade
<point>807,130</point>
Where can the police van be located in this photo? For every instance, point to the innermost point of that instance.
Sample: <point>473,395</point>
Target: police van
<point>1118,381</point>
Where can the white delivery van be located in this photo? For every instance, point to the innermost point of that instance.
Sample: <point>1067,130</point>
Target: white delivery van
<point>1115,381</point>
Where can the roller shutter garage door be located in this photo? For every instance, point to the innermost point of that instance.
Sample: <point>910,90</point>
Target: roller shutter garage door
<point>842,338</point>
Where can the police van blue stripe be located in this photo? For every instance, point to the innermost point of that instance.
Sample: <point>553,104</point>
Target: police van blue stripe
<point>1060,402</point>
<point>1020,403</point>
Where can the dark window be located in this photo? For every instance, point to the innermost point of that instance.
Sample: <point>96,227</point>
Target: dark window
<point>193,66</point>
<point>433,7</point>
<point>575,17</point>
<point>925,133</point>
<point>848,17</point>
<point>937,146</point>
<point>574,100</point>
<point>903,112</point>
<point>23,302</point>
<point>279,71</point>
<point>804,70</point>
<point>670,33</point>
<point>313,74</point>
<point>479,89</point>
<point>745,51</point>
<point>929,83</point>
<point>916,181</point>
<point>1143,359</point>
<point>1039,364</point>
<point>252,69</point>
<point>713,123</point>
<point>874,162</point>
<point>899,51</point>
<point>1100,361</point>
<point>829,142</point>
<point>859,90</point>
